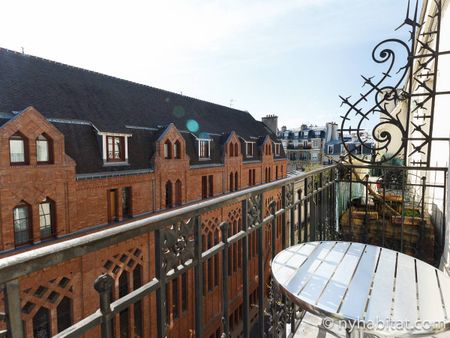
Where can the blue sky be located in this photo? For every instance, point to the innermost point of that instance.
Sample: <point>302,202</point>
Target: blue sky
<point>286,57</point>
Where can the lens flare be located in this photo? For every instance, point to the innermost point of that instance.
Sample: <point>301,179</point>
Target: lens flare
<point>192,126</point>
<point>178,111</point>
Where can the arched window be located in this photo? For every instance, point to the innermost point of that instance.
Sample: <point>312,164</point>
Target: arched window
<point>236,181</point>
<point>44,149</point>
<point>231,150</point>
<point>167,150</point>
<point>169,202</point>
<point>124,314</point>
<point>177,149</point>
<point>64,314</point>
<point>236,149</point>
<point>18,149</point>
<point>41,323</point>
<point>178,193</point>
<point>22,224</point>
<point>231,182</point>
<point>47,218</point>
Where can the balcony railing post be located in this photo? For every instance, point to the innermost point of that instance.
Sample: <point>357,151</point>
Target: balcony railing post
<point>160,272</point>
<point>350,205</point>
<point>261,274</point>
<point>299,216</point>
<point>321,208</point>
<point>245,284</point>
<point>283,215</point>
<point>312,209</point>
<point>305,211</point>
<point>103,285</point>
<point>364,229</point>
<point>272,209</point>
<point>198,278</point>
<point>13,309</point>
<point>334,191</point>
<point>225,296</point>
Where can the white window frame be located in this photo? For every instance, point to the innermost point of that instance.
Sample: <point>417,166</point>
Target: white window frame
<point>209,148</point>
<point>105,147</point>
<point>277,149</point>
<point>247,148</point>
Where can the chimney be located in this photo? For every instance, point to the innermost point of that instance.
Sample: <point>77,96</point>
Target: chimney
<point>334,132</point>
<point>271,121</point>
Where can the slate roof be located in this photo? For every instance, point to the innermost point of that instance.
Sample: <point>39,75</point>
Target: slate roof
<point>64,92</point>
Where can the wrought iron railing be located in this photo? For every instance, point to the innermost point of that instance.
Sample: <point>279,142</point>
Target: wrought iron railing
<point>338,202</point>
<point>307,212</point>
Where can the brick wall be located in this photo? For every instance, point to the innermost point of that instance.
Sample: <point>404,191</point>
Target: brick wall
<point>82,205</point>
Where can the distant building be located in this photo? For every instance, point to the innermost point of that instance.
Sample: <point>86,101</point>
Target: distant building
<point>303,146</point>
<point>313,145</point>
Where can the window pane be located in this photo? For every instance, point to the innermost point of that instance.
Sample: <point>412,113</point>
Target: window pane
<point>20,212</point>
<point>44,208</point>
<point>41,323</point>
<point>17,150</point>
<point>166,150</point>
<point>117,148</point>
<point>45,219</point>
<point>64,314</point>
<point>42,150</point>
<point>110,148</point>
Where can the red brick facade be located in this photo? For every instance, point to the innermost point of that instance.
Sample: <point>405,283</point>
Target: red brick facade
<point>82,204</point>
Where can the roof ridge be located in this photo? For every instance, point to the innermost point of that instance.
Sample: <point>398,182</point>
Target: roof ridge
<point>119,79</point>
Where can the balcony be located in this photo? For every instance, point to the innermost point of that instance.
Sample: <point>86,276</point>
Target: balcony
<point>332,203</point>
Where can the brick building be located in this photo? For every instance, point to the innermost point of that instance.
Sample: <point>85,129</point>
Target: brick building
<point>82,151</point>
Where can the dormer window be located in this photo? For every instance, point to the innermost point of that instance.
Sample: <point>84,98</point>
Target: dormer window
<point>236,149</point>
<point>277,149</point>
<point>250,149</point>
<point>18,153</point>
<point>115,148</point>
<point>43,149</point>
<point>203,148</point>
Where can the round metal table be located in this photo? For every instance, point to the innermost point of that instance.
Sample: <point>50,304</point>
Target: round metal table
<point>365,288</point>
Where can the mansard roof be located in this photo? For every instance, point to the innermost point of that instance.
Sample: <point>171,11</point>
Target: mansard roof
<point>82,103</point>
<point>61,91</point>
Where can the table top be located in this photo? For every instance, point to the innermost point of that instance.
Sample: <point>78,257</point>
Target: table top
<point>365,284</point>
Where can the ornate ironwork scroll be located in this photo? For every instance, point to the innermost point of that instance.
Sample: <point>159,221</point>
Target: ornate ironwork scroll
<point>280,312</point>
<point>178,245</point>
<point>254,210</point>
<point>289,195</point>
<point>403,97</point>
